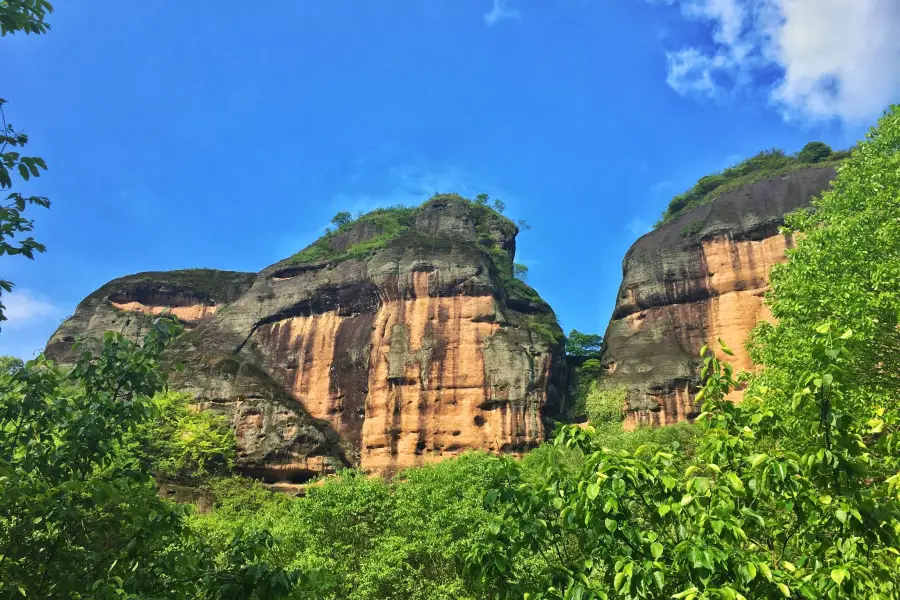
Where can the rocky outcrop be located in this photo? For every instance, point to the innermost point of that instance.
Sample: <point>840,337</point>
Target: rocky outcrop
<point>401,338</point>
<point>692,281</point>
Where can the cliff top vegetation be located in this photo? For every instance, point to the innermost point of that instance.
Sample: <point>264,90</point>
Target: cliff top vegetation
<point>767,163</point>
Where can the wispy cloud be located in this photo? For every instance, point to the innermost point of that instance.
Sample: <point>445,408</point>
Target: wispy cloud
<point>837,59</point>
<point>502,9</point>
<point>660,186</point>
<point>31,319</point>
<point>24,308</point>
<point>377,183</point>
<point>638,227</point>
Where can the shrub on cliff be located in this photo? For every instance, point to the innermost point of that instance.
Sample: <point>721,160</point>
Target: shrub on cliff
<point>767,163</point>
<point>815,152</point>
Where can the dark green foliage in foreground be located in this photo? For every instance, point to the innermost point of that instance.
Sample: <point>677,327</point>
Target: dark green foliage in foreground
<point>26,16</point>
<point>356,537</point>
<point>764,165</point>
<point>844,270</point>
<point>818,522</point>
<point>77,519</point>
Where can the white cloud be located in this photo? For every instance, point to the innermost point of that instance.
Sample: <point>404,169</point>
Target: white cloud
<point>24,307</point>
<point>837,58</point>
<point>501,9</point>
<point>408,183</point>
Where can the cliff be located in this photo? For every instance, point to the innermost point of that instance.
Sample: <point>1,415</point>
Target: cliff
<point>400,338</point>
<point>694,280</point>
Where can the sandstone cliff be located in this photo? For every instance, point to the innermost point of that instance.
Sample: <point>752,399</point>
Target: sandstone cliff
<point>400,338</point>
<point>696,279</point>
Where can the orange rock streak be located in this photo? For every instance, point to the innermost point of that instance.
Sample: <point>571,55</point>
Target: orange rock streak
<point>193,312</point>
<point>427,394</point>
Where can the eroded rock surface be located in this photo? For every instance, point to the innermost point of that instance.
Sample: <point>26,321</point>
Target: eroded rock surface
<point>680,292</point>
<point>417,350</point>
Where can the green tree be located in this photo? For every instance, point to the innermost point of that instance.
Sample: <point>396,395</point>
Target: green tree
<point>77,520</point>
<point>499,205</point>
<point>181,443</point>
<point>341,219</point>
<point>482,199</point>
<point>845,269</point>
<point>25,16</point>
<point>815,152</point>
<point>583,344</point>
<point>520,271</point>
<point>605,405</point>
<point>738,523</point>
<point>10,364</point>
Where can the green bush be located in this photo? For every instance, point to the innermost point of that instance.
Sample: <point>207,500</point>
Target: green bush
<point>814,152</point>
<point>692,229</point>
<point>182,443</point>
<point>605,405</point>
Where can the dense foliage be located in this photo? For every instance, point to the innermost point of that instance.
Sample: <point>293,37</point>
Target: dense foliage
<point>182,443</point>
<point>845,269</point>
<point>764,165</point>
<point>744,520</point>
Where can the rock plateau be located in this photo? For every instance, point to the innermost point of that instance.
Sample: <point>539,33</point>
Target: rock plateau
<point>692,281</point>
<point>398,339</point>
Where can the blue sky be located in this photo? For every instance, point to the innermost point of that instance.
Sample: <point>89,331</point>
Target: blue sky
<point>213,135</point>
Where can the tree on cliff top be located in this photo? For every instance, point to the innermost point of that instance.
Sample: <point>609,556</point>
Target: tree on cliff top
<point>583,345</point>
<point>815,152</point>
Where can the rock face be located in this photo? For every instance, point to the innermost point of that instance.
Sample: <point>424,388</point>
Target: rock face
<point>395,341</point>
<point>692,281</point>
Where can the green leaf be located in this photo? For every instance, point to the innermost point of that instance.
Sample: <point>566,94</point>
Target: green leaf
<point>663,509</point>
<point>838,575</point>
<point>619,580</point>
<point>610,525</point>
<point>656,549</point>
<point>687,499</point>
<point>735,482</point>
<point>660,579</point>
<point>593,490</point>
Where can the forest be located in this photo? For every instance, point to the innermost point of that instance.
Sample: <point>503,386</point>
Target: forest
<point>792,493</point>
